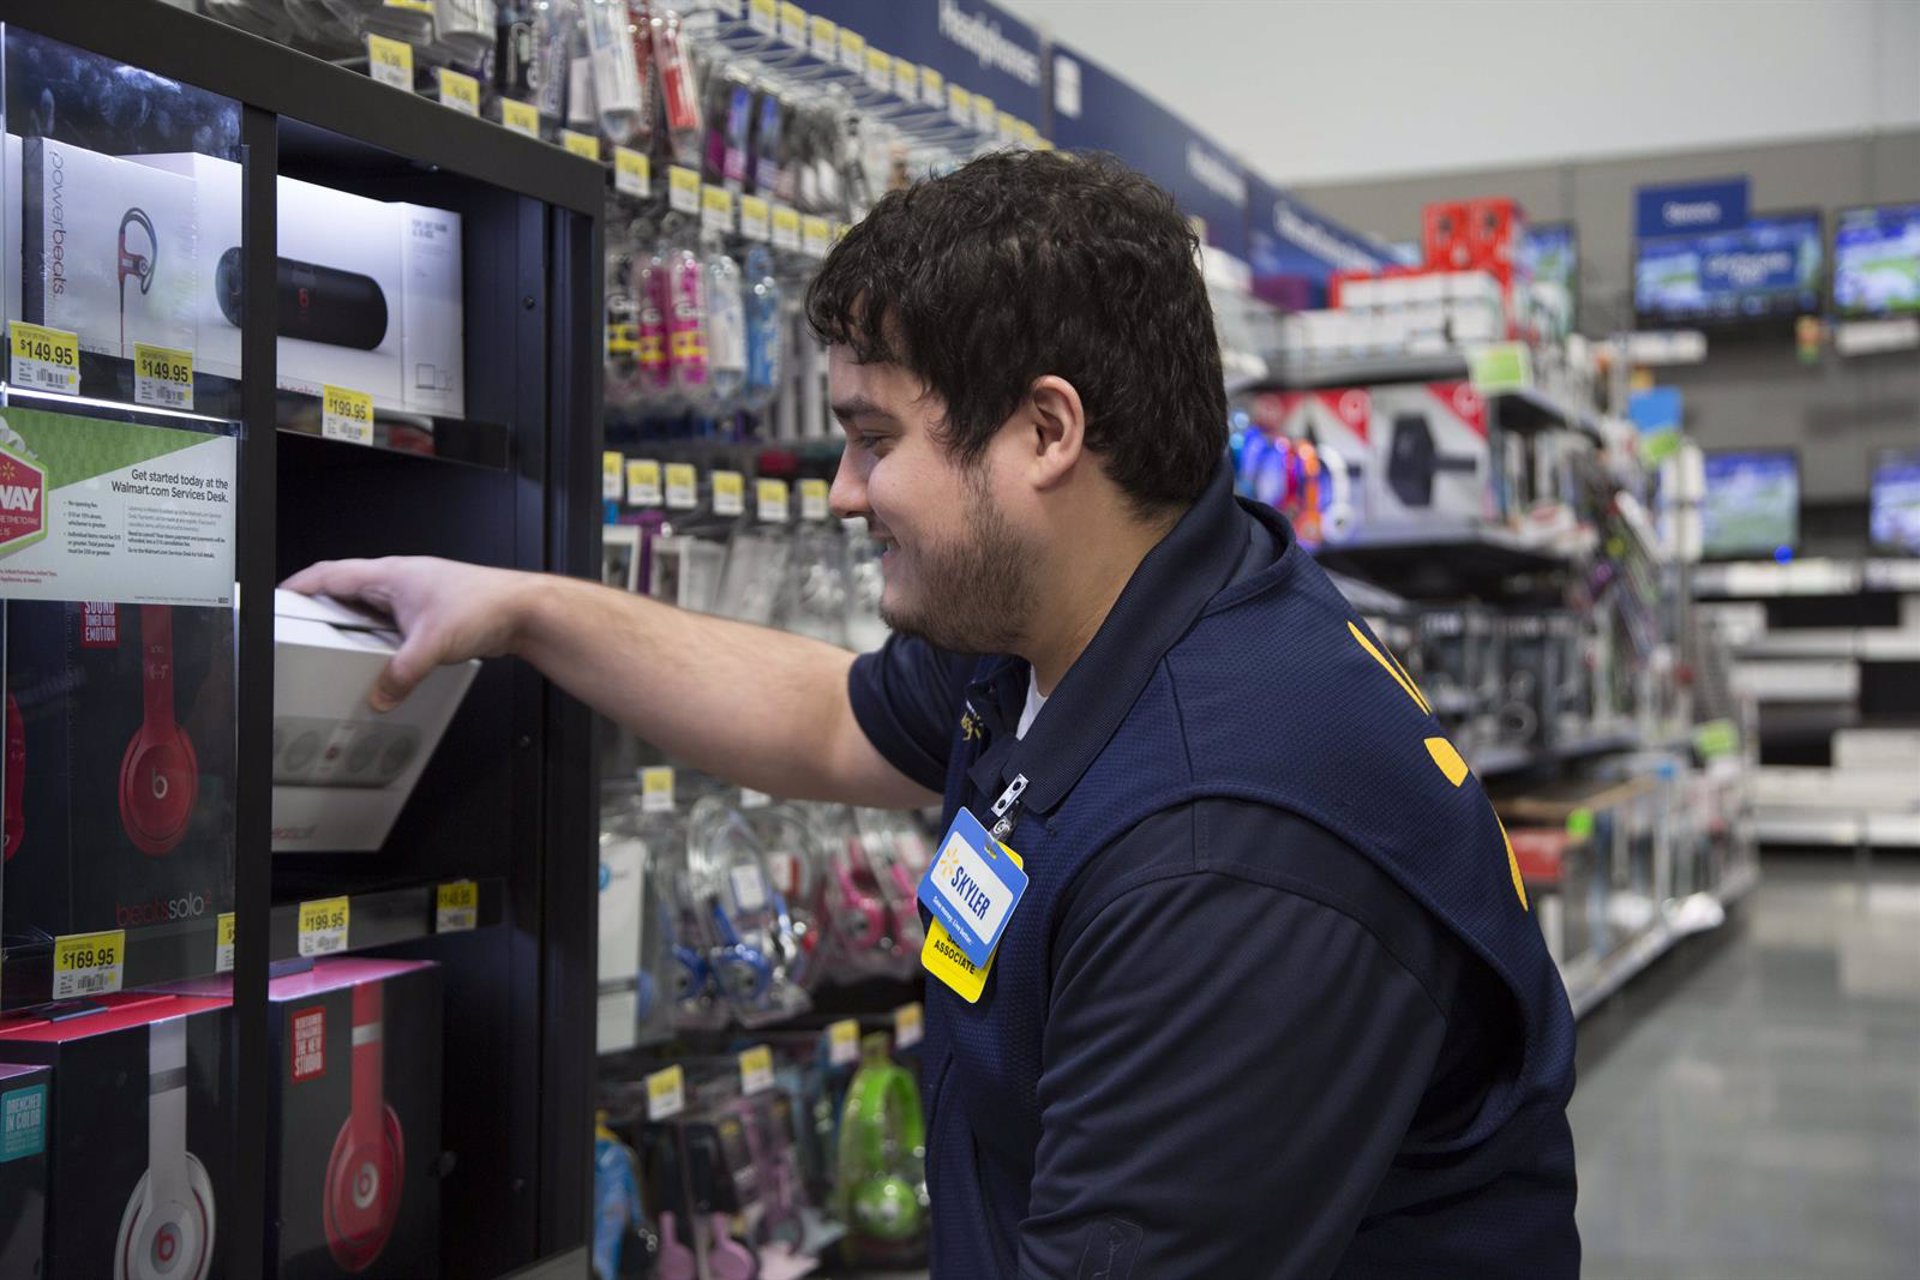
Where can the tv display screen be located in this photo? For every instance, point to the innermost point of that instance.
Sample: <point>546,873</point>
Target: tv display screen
<point>1768,269</point>
<point>1553,251</point>
<point>1893,502</point>
<point>1876,261</point>
<point>1752,506</point>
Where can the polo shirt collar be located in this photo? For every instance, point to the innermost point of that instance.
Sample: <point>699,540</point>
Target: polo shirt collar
<point>1160,602</point>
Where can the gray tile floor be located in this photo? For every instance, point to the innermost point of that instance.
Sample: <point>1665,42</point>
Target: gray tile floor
<point>1755,1112</point>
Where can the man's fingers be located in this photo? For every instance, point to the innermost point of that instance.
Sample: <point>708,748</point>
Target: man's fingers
<point>341,579</point>
<point>415,661</point>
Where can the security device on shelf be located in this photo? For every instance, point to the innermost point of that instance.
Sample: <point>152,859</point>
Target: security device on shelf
<point>167,1231</point>
<point>159,775</point>
<point>342,773</point>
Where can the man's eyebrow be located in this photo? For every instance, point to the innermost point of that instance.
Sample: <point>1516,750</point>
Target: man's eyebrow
<point>858,407</point>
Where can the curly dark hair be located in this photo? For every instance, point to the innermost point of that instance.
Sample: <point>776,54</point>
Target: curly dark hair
<point>1023,264</point>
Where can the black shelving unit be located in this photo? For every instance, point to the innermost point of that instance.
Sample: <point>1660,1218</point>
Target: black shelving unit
<point>509,800</point>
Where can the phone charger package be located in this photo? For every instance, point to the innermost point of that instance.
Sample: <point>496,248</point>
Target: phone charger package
<point>25,1100</point>
<point>139,1136</point>
<point>121,733</point>
<point>434,326</point>
<point>108,249</point>
<point>341,772</point>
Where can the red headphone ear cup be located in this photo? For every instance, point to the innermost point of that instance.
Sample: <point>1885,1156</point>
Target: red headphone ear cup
<point>159,782</point>
<point>363,1194</point>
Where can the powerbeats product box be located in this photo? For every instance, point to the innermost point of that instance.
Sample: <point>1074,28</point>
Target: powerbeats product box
<point>356,1120</point>
<point>1430,454</point>
<point>121,732</point>
<point>25,1118</point>
<point>342,772</point>
<point>140,1137</point>
<point>108,249</point>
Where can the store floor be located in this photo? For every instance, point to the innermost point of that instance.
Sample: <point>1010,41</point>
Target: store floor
<point>1754,1113</point>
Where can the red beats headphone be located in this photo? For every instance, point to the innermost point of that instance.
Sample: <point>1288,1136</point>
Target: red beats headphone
<point>159,775</point>
<point>370,1155</point>
<point>15,782</point>
<point>167,1230</point>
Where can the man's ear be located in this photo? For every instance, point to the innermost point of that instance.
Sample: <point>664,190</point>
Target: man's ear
<point>1058,422</point>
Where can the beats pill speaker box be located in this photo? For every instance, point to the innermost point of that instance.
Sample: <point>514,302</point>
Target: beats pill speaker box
<point>341,771</point>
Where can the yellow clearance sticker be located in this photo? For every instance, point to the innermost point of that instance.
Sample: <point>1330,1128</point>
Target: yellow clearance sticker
<point>945,960</point>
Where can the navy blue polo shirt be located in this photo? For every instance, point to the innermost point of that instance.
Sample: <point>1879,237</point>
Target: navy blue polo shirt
<point>1312,1030</point>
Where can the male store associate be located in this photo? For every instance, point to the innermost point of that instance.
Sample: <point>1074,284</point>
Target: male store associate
<point>1272,1003</point>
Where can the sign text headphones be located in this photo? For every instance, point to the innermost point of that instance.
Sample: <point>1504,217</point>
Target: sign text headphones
<point>369,1157</point>
<point>159,775</point>
<point>167,1231</point>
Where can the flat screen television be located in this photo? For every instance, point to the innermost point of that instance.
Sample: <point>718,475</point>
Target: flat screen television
<point>1876,261</point>
<point>1769,269</point>
<point>1752,506</point>
<point>1893,502</point>
<point>1552,251</point>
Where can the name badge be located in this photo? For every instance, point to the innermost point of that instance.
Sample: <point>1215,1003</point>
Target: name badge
<point>945,961</point>
<point>972,888</point>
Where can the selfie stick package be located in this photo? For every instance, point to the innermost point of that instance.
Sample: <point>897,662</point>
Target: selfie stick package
<point>341,772</point>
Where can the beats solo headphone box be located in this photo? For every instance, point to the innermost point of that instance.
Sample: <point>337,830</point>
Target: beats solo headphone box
<point>341,771</point>
<point>25,1100</point>
<point>108,248</point>
<point>1430,455</point>
<point>120,722</point>
<point>140,1136</point>
<point>356,1120</point>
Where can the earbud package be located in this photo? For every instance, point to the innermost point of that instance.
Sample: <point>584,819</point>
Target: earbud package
<point>25,1103</point>
<point>341,772</point>
<point>121,732</point>
<point>139,1136</point>
<point>108,249</point>
<point>356,1120</point>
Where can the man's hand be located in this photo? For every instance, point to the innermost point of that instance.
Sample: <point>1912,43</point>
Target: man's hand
<point>447,612</point>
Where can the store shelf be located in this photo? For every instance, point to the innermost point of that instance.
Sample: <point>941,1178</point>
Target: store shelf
<point>455,440</point>
<point>383,917</point>
<point>1535,410</point>
<point>1899,829</point>
<point>1361,371</point>
<point>1589,985</point>
<point>1497,761</point>
<point>1863,644</point>
<point>1766,579</point>
<point>1436,559</point>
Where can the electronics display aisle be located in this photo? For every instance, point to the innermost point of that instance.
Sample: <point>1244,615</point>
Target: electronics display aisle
<point>366,1052</point>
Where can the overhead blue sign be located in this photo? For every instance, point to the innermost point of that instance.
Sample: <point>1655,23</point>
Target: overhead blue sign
<point>973,43</point>
<point>1294,250</point>
<point>1691,208</point>
<point>1095,110</point>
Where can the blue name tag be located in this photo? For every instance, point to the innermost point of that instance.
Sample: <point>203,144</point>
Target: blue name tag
<point>972,887</point>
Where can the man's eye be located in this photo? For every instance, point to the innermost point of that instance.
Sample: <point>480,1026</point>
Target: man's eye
<point>868,442</point>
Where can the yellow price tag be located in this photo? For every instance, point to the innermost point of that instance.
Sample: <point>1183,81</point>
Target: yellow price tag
<point>459,91</point>
<point>346,414</point>
<point>764,16</point>
<point>162,377</point>
<point>584,145</point>
<point>770,500</point>
<point>683,189</point>
<point>756,1070</point>
<point>323,926</point>
<point>729,493</point>
<point>612,469</point>
<point>1003,125</point>
<point>225,931</point>
<point>933,87</point>
<point>906,79</point>
<point>656,789</point>
<point>984,113</point>
<point>837,232</point>
<point>683,487</point>
<point>813,499</point>
<point>793,24</point>
<point>45,359</point>
<point>1026,134</point>
<point>824,42</point>
<point>853,50</point>
<point>946,961</point>
<point>716,209</point>
<point>390,62</point>
<point>754,215</point>
<point>879,69</point>
<point>417,6</point>
<point>89,964</point>
<point>909,1025</point>
<point>456,906</point>
<point>959,106</point>
<point>786,228</point>
<point>632,172</point>
<point>843,1043</point>
<point>643,483</point>
<point>815,234</point>
<point>666,1093</point>
<point>521,117</point>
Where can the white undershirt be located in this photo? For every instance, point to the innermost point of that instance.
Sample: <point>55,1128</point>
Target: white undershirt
<point>1028,713</point>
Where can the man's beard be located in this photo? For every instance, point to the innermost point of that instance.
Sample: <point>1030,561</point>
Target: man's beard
<point>974,596</point>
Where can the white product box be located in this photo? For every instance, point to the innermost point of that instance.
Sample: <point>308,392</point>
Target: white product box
<point>1870,749</point>
<point>341,772</point>
<point>337,231</point>
<point>623,865</point>
<point>1430,455</point>
<point>216,212</point>
<point>108,250</point>
<point>434,327</point>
